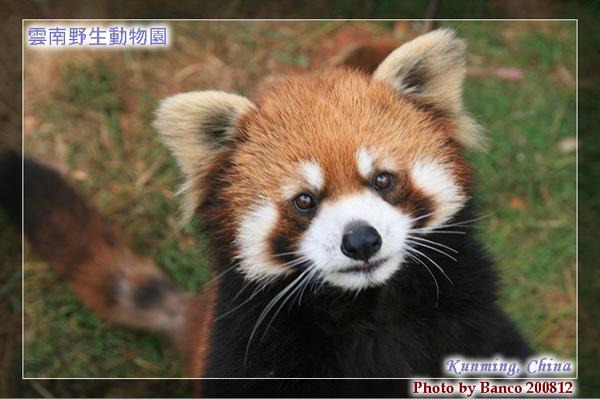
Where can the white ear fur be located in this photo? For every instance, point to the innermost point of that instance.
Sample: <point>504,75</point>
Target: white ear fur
<point>194,127</point>
<point>432,67</point>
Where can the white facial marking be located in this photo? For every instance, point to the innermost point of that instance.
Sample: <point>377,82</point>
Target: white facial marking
<point>438,184</point>
<point>321,243</point>
<point>368,161</point>
<point>252,240</point>
<point>313,175</point>
<point>289,190</point>
<point>364,160</point>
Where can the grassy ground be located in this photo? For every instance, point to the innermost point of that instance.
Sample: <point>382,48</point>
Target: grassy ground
<point>89,113</point>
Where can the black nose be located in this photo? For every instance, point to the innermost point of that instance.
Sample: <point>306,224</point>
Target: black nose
<point>360,241</point>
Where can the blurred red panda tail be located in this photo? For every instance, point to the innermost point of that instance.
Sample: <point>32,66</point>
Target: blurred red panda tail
<point>87,252</point>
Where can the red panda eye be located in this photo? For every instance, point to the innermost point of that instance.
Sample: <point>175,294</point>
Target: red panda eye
<point>304,202</point>
<point>383,181</point>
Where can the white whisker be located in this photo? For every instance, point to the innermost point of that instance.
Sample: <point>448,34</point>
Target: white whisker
<point>295,262</point>
<point>256,292</point>
<point>471,220</point>
<point>428,231</point>
<point>307,280</point>
<point>433,248</point>
<point>437,287</point>
<point>432,261</point>
<point>288,297</point>
<point>424,216</point>
<point>465,223</point>
<point>433,243</point>
<point>286,254</point>
<point>270,306</point>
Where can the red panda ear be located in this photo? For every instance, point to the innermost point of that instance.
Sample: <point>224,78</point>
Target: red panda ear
<point>195,127</point>
<point>432,66</point>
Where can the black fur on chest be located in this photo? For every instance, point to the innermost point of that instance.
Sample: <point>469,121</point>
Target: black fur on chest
<point>401,329</point>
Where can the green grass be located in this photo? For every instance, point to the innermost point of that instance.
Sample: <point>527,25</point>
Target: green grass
<point>92,112</point>
<point>526,182</point>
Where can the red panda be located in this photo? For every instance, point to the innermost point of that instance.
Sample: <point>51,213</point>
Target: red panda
<point>337,207</point>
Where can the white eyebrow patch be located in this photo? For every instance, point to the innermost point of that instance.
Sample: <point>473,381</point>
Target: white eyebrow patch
<point>368,162</point>
<point>364,161</point>
<point>313,175</point>
<point>438,184</point>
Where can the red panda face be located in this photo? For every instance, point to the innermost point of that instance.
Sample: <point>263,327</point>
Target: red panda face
<point>332,175</point>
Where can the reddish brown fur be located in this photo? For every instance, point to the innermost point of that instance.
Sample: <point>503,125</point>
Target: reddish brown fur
<point>84,249</point>
<point>198,331</point>
<point>307,119</point>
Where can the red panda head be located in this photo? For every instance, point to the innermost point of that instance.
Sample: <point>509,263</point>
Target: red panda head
<point>329,174</point>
